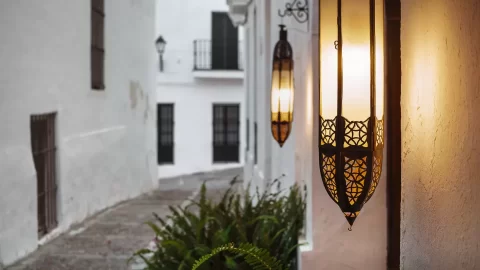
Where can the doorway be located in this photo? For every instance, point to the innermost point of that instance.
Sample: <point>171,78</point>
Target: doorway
<point>224,42</point>
<point>42,132</point>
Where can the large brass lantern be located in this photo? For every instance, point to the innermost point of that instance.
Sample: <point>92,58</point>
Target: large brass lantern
<point>282,89</point>
<point>351,101</point>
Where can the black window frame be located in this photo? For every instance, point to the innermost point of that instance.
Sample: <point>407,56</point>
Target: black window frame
<point>255,143</point>
<point>248,135</point>
<point>226,133</point>
<point>165,133</point>
<point>97,44</point>
<point>224,54</point>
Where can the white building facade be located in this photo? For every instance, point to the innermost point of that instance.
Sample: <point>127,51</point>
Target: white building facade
<point>78,114</point>
<point>327,242</point>
<point>200,94</point>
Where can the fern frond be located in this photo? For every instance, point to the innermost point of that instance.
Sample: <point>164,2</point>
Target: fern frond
<point>257,258</point>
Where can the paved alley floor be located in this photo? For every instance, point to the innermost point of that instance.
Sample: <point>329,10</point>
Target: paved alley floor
<point>108,239</point>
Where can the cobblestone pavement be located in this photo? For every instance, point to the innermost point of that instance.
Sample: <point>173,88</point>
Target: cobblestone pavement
<point>108,239</point>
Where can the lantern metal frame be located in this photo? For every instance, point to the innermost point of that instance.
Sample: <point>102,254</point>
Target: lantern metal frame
<point>297,9</point>
<point>282,51</point>
<point>351,152</point>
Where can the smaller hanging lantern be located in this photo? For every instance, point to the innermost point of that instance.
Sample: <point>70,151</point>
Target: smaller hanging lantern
<point>282,89</point>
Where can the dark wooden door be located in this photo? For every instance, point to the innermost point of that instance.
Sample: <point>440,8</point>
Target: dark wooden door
<point>42,132</point>
<point>224,42</point>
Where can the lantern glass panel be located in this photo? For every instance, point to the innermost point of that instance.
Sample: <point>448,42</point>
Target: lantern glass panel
<point>282,99</point>
<point>380,60</point>
<point>328,59</point>
<point>356,59</point>
<point>282,91</point>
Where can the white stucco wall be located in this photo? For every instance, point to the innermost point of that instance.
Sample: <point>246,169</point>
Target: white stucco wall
<point>440,156</point>
<point>106,139</point>
<point>180,23</point>
<point>258,91</point>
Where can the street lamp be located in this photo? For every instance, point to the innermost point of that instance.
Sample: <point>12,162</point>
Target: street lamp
<point>351,101</point>
<point>160,44</point>
<point>282,89</point>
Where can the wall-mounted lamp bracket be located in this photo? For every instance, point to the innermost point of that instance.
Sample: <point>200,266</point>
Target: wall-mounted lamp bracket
<point>297,9</point>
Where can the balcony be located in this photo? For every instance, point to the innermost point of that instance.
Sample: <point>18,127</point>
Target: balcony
<point>218,59</point>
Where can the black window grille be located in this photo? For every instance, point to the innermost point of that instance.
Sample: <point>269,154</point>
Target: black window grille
<point>165,126</point>
<point>226,124</point>
<point>42,135</point>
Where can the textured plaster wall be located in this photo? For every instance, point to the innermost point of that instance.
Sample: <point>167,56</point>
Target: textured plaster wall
<point>440,127</point>
<point>180,23</point>
<point>105,139</point>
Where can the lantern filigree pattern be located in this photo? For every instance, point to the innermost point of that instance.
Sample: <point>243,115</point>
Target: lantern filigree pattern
<point>351,122</point>
<point>282,91</point>
<point>328,174</point>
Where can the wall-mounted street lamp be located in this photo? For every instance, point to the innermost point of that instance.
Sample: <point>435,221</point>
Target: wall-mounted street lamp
<point>160,44</point>
<point>351,101</point>
<point>297,9</point>
<point>282,91</point>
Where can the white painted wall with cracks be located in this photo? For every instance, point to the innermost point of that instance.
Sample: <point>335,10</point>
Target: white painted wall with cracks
<point>106,139</point>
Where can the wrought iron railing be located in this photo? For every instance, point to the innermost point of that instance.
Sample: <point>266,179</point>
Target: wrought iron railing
<point>220,56</point>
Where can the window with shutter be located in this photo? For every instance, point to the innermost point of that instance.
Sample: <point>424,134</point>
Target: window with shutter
<point>226,125</point>
<point>97,49</point>
<point>165,140</point>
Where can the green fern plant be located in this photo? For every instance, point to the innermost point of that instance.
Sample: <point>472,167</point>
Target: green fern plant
<point>270,221</point>
<point>257,258</point>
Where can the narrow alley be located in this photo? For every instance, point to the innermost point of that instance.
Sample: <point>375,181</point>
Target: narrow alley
<point>108,239</point>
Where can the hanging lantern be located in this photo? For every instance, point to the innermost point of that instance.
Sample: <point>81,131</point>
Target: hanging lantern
<point>282,89</point>
<point>351,101</point>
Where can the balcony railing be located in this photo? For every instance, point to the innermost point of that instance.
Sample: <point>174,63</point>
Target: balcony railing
<point>217,57</point>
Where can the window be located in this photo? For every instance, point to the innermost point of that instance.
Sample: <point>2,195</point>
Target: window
<point>248,135</point>
<point>226,132</point>
<point>165,133</point>
<point>255,147</point>
<point>97,49</point>
<point>42,136</point>
<point>224,42</point>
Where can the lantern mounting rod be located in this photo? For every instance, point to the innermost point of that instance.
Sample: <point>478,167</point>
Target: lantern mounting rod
<point>297,9</point>
<point>283,32</point>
